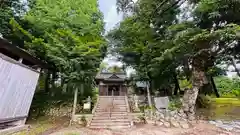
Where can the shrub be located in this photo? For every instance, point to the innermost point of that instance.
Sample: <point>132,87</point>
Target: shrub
<point>175,103</point>
<point>84,121</point>
<point>142,119</point>
<point>228,87</point>
<point>203,101</point>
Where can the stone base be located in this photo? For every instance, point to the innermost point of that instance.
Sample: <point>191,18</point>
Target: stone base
<point>11,130</point>
<point>169,119</point>
<point>77,119</point>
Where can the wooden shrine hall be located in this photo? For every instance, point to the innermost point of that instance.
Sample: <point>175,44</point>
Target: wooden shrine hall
<point>112,84</point>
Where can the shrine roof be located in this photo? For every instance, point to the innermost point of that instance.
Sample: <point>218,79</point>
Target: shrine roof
<point>111,76</point>
<point>14,52</point>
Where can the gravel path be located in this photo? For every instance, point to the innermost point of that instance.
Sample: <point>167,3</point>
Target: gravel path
<point>198,129</point>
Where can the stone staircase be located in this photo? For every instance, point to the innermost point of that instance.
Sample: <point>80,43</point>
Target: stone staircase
<point>111,112</point>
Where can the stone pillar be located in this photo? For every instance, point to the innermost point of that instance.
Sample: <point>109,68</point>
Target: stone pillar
<point>136,101</point>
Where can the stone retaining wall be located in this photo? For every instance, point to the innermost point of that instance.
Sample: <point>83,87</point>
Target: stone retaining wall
<point>168,118</point>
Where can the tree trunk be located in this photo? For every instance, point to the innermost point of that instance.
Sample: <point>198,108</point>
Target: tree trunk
<point>177,87</point>
<point>235,65</point>
<point>190,95</point>
<point>149,96</point>
<point>186,68</point>
<point>74,105</point>
<point>53,77</point>
<point>214,87</point>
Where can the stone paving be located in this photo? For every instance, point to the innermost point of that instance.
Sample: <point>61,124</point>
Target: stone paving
<point>227,125</point>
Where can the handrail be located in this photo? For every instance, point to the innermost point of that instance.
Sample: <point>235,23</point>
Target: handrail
<point>95,106</point>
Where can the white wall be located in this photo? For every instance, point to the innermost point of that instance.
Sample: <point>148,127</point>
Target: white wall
<point>17,87</point>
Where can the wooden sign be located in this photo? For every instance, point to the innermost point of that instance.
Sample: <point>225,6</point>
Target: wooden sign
<point>86,106</point>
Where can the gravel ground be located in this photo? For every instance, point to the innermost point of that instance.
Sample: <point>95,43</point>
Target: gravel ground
<point>197,129</point>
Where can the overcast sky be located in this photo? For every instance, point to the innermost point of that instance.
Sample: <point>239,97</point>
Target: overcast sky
<point>111,18</point>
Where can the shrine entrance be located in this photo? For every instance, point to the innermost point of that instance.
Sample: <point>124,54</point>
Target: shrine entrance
<point>112,84</point>
<point>113,90</point>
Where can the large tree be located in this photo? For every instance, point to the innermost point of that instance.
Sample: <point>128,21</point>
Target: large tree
<point>155,37</point>
<point>66,34</point>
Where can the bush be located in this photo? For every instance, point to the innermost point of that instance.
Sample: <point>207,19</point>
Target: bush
<point>142,119</point>
<point>84,121</point>
<point>228,87</point>
<point>175,103</point>
<point>203,101</point>
<point>185,84</point>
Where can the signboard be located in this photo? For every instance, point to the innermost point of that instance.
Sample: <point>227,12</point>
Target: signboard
<point>86,106</point>
<point>161,102</point>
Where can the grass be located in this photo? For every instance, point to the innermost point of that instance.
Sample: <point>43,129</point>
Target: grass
<point>233,101</point>
<point>42,124</point>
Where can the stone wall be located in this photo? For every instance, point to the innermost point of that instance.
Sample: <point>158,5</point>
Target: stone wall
<point>168,118</point>
<point>62,111</point>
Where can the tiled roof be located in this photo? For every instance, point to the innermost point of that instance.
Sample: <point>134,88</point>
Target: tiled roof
<point>113,76</point>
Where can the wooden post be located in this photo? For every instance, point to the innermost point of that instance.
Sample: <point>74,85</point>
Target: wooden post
<point>149,99</point>
<point>74,105</point>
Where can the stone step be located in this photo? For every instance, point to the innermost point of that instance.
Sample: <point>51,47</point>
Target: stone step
<point>110,121</point>
<point>115,113</point>
<point>112,111</point>
<point>123,105</point>
<point>115,98</point>
<point>110,115</point>
<point>106,107</point>
<point>119,108</point>
<point>110,124</point>
<point>110,127</point>
<point>111,118</point>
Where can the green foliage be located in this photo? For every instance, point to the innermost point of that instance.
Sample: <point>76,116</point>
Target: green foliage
<point>175,103</point>
<point>71,37</point>
<point>65,34</point>
<point>185,84</point>
<point>204,101</point>
<point>42,102</point>
<point>10,9</point>
<point>228,87</point>
<point>142,119</point>
<point>156,44</point>
<point>231,101</point>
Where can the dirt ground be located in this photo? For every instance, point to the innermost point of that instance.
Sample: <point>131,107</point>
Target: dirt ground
<point>60,126</point>
<point>198,129</point>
